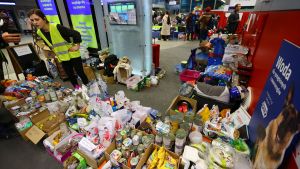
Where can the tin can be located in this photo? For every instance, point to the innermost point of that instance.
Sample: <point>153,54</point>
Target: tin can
<point>140,149</point>
<point>159,139</point>
<point>133,133</point>
<point>127,143</point>
<point>136,140</point>
<point>133,162</point>
<point>123,134</point>
<point>119,141</point>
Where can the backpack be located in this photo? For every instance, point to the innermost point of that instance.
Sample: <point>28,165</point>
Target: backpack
<point>109,64</point>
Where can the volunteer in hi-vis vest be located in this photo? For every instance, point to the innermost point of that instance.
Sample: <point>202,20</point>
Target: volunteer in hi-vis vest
<point>64,42</point>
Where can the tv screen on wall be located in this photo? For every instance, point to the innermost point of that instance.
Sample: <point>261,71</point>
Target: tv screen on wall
<point>122,13</point>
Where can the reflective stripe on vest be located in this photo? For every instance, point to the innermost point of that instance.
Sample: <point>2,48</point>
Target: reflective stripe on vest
<point>59,45</point>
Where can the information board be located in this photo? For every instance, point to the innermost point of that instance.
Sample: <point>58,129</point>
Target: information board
<point>82,21</point>
<point>122,13</point>
<point>48,7</point>
<point>275,124</point>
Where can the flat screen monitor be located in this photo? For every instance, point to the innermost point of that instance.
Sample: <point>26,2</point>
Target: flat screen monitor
<point>122,13</point>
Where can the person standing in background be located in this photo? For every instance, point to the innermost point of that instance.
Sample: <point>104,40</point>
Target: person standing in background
<point>189,27</point>
<point>204,22</point>
<point>234,19</point>
<point>166,26</point>
<point>6,38</point>
<point>64,42</point>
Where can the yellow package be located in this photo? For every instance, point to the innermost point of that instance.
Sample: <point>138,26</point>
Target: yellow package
<point>169,162</point>
<point>152,160</point>
<point>161,156</point>
<point>204,113</point>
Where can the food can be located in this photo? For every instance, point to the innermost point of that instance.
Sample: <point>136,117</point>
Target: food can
<point>133,162</point>
<point>136,140</point>
<point>140,149</point>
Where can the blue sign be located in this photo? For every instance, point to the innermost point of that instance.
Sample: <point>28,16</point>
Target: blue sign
<point>47,7</point>
<point>275,124</point>
<point>79,7</point>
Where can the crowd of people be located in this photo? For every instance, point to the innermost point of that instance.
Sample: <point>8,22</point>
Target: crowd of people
<point>196,25</point>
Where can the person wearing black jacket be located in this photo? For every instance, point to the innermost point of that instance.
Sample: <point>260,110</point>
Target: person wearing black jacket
<point>233,19</point>
<point>5,38</point>
<point>72,42</point>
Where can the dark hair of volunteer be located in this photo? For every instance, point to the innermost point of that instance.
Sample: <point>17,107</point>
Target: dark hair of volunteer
<point>64,42</point>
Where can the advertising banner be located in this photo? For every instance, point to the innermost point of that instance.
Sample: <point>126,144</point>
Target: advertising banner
<point>82,21</point>
<point>275,124</point>
<point>48,7</point>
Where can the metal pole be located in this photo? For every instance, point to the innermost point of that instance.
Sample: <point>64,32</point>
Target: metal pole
<point>215,4</point>
<point>202,5</point>
<point>191,1</point>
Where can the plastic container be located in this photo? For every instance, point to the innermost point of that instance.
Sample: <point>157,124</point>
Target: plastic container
<point>195,137</point>
<point>189,75</point>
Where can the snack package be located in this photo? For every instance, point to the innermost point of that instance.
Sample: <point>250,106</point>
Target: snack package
<point>169,162</point>
<point>204,113</point>
<point>152,160</point>
<point>161,156</point>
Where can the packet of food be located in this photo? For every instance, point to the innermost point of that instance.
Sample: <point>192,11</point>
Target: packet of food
<point>169,162</point>
<point>152,160</point>
<point>161,156</point>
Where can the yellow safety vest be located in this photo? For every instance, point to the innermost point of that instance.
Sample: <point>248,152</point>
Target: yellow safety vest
<point>59,45</point>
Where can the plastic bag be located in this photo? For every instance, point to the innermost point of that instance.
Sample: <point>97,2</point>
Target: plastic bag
<point>52,68</point>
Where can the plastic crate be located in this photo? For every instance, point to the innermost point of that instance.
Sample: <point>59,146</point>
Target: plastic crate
<point>189,75</point>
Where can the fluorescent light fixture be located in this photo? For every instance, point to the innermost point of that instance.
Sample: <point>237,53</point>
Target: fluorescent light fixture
<point>7,3</point>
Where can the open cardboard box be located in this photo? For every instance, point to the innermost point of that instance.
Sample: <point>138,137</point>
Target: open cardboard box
<point>149,151</point>
<point>35,134</point>
<point>94,163</point>
<point>109,150</point>
<point>172,107</point>
<point>112,147</point>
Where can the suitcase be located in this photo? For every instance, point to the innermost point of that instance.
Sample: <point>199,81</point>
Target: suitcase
<point>155,54</point>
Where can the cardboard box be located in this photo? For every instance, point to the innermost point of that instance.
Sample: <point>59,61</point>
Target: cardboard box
<point>39,115</point>
<point>35,134</point>
<point>109,150</point>
<point>172,107</point>
<point>109,80</point>
<point>149,151</point>
<point>89,73</point>
<point>91,161</point>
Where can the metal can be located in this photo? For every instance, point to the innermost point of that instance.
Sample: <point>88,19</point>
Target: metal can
<point>119,141</point>
<point>140,149</point>
<point>133,162</point>
<point>136,140</point>
<point>133,133</point>
<point>123,134</point>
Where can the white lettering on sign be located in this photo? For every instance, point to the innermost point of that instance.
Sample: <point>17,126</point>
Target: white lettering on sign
<point>284,68</point>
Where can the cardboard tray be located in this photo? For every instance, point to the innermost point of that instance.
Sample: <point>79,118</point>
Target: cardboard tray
<point>149,151</point>
<point>172,107</point>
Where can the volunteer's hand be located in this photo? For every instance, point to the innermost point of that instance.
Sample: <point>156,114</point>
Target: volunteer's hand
<point>74,48</point>
<point>11,37</point>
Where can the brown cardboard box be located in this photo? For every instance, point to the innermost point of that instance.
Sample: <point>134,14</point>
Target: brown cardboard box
<point>109,80</point>
<point>91,161</point>
<point>109,150</point>
<point>35,134</point>
<point>89,73</point>
<point>149,151</point>
<point>172,107</point>
<point>38,116</point>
